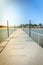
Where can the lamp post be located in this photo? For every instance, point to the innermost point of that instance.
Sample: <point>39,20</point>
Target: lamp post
<point>7,28</point>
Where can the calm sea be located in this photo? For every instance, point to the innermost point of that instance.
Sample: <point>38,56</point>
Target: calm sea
<point>4,34</point>
<point>36,31</point>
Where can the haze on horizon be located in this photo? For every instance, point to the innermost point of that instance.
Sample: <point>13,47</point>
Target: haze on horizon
<point>21,11</point>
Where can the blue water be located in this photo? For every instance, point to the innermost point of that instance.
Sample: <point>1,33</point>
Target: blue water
<point>36,31</point>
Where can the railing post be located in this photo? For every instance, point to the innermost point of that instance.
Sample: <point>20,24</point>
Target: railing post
<point>7,28</point>
<point>30,28</point>
<point>38,38</point>
<point>22,26</point>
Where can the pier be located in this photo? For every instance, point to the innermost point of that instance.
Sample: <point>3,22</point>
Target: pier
<point>20,49</point>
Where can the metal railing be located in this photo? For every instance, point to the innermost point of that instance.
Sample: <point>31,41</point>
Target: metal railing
<point>37,37</point>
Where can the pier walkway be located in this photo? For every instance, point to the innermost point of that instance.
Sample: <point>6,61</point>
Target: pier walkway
<point>20,49</point>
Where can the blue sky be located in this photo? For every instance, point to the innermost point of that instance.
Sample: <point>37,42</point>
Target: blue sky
<point>21,11</point>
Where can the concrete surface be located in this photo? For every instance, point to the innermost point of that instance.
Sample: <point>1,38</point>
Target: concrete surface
<point>20,49</point>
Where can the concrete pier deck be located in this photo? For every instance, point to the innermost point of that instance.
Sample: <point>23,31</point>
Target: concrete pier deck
<point>20,49</point>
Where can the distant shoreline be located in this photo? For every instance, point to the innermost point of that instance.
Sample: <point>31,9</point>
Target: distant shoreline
<point>24,28</point>
<point>6,28</point>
